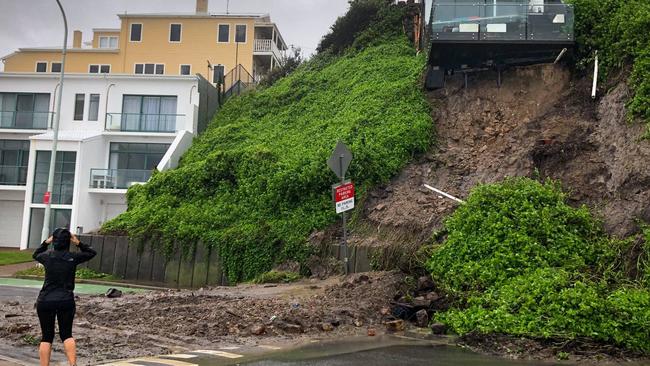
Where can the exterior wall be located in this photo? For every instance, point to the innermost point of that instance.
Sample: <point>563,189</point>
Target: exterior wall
<point>75,62</point>
<point>11,216</point>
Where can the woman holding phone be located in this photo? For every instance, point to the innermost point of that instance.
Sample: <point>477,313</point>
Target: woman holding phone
<point>56,299</point>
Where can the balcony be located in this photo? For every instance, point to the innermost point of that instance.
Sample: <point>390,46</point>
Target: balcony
<point>140,122</point>
<point>13,175</point>
<point>266,46</point>
<point>503,21</point>
<point>25,120</point>
<point>117,178</point>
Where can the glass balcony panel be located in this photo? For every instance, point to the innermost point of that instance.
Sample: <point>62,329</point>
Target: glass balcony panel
<point>117,178</point>
<point>456,21</point>
<point>142,122</point>
<point>552,22</point>
<point>13,175</point>
<point>25,120</point>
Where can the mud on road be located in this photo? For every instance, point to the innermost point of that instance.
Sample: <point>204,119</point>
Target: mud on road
<point>171,321</point>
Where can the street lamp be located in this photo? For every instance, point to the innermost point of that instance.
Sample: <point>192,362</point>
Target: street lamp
<point>47,197</point>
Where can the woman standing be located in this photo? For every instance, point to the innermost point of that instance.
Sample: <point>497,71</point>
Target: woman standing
<point>56,299</point>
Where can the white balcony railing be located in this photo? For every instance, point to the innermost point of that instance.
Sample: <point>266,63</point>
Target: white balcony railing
<point>266,45</point>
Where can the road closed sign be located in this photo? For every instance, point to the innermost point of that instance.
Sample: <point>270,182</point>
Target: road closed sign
<point>344,197</point>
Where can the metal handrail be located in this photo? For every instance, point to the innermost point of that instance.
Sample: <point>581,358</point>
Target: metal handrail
<point>142,122</point>
<point>117,178</point>
<point>18,173</point>
<point>35,120</point>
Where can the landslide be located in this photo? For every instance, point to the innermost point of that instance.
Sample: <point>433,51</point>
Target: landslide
<point>540,123</point>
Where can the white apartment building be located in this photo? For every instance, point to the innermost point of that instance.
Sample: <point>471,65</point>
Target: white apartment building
<point>114,131</point>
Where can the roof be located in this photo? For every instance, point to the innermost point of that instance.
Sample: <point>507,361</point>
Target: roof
<point>195,15</point>
<point>106,30</point>
<point>67,135</point>
<point>32,75</point>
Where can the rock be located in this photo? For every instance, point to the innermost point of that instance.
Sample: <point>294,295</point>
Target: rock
<point>113,293</point>
<point>420,302</point>
<point>422,318</point>
<point>290,328</point>
<point>358,323</point>
<point>438,328</point>
<point>371,332</point>
<point>384,311</point>
<point>395,325</point>
<point>258,329</point>
<point>425,283</point>
<point>362,278</point>
<point>327,327</point>
<point>380,206</point>
<point>335,322</point>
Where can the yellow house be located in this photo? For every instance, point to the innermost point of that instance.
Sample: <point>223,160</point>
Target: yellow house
<point>167,44</point>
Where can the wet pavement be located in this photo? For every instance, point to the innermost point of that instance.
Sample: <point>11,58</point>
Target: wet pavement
<point>16,288</point>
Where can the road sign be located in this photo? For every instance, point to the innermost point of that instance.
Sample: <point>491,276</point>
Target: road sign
<point>340,160</point>
<point>344,197</point>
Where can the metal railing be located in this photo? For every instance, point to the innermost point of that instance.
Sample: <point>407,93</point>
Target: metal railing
<point>27,120</point>
<point>237,81</point>
<point>502,21</point>
<point>117,178</point>
<point>13,175</point>
<point>142,122</point>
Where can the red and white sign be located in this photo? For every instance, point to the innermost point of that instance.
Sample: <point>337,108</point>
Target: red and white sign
<point>46,197</point>
<point>344,197</point>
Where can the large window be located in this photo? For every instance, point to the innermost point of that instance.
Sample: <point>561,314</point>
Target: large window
<point>24,110</point>
<point>63,177</point>
<point>150,69</point>
<point>240,33</point>
<point>107,42</point>
<point>134,156</point>
<point>224,33</point>
<point>175,32</point>
<point>14,157</point>
<point>79,101</point>
<point>58,218</point>
<point>149,113</point>
<point>93,107</point>
<point>136,32</point>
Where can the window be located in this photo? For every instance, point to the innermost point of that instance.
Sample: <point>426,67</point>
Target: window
<point>186,69</point>
<point>59,217</point>
<point>130,156</point>
<point>14,158</point>
<point>79,100</point>
<point>41,67</point>
<point>99,69</point>
<point>24,110</point>
<point>224,33</point>
<point>217,74</point>
<point>174,33</point>
<point>107,42</point>
<point>150,69</point>
<point>240,33</point>
<point>55,67</point>
<point>93,107</point>
<point>64,172</point>
<point>149,113</point>
<point>136,32</point>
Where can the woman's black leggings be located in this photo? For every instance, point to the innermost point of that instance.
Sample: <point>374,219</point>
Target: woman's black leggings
<point>63,311</point>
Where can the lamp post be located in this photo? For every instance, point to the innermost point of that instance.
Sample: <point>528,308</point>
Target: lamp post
<point>47,197</point>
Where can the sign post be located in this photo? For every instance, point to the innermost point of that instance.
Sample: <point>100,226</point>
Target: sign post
<point>343,193</point>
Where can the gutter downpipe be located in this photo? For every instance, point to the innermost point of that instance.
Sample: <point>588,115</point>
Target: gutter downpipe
<point>47,198</point>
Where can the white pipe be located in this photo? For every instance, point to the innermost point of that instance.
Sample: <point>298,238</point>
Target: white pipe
<point>559,57</point>
<point>595,86</point>
<point>444,194</point>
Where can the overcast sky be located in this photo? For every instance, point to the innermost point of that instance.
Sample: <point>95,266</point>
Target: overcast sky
<point>37,23</point>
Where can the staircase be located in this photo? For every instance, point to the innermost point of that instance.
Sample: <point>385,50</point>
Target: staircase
<point>237,81</point>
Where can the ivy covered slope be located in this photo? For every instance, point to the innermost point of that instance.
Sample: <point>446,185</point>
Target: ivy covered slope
<point>620,31</point>
<point>518,260</point>
<point>256,183</point>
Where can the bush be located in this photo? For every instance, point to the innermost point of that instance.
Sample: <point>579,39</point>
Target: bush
<point>277,277</point>
<point>618,30</point>
<point>520,261</point>
<point>255,184</point>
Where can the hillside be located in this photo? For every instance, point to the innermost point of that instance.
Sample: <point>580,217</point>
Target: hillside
<point>256,183</point>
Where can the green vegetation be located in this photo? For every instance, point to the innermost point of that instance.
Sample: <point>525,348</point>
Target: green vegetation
<point>256,183</point>
<point>520,261</point>
<point>619,31</point>
<point>15,257</point>
<point>277,277</point>
<point>82,273</point>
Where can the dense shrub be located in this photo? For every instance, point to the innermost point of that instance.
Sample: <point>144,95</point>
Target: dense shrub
<point>256,183</point>
<point>520,261</point>
<point>620,31</point>
<point>345,29</point>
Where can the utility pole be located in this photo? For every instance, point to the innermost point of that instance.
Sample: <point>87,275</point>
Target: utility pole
<point>47,198</point>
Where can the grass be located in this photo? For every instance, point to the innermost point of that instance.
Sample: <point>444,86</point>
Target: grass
<point>15,257</point>
<point>82,273</point>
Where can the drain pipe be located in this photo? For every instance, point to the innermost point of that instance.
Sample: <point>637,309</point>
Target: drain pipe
<point>445,194</point>
<point>594,88</point>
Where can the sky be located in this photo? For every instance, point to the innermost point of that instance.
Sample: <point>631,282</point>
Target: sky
<point>38,23</point>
